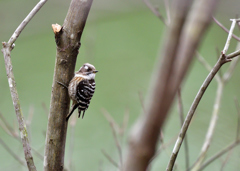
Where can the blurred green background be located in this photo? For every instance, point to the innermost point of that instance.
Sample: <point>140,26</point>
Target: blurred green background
<point>123,40</point>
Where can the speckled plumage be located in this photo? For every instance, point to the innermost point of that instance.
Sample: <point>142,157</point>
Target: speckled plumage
<point>81,89</point>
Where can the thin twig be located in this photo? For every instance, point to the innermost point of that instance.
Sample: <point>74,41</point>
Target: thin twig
<point>238,115</point>
<point>180,111</point>
<point>163,147</point>
<point>110,119</point>
<point>20,28</point>
<point>222,60</point>
<point>221,83</point>
<point>224,28</point>
<point>9,150</point>
<point>219,154</point>
<point>207,65</point>
<point>7,47</point>
<point>227,75</point>
<point>6,126</point>
<point>211,128</point>
<point>229,37</point>
<point>226,159</point>
<point>22,126</point>
<point>110,159</point>
<point>10,131</point>
<point>112,123</point>
<point>155,11</point>
<point>192,110</point>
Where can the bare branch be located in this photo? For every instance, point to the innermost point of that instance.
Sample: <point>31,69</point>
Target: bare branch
<point>215,113</point>
<point>219,154</point>
<point>222,60</point>
<point>181,115</point>
<point>13,89</point>
<point>110,159</point>
<point>226,159</point>
<point>110,119</point>
<point>211,128</point>
<point>224,28</point>
<point>229,37</point>
<point>6,126</point>
<point>7,47</point>
<point>234,54</point>
<point>68,43</point>
<point>207,66</point>
<point>20,28</point>
<point>178,53</point>
<point>9,150</point>
<point>155,11</point>
<point>113,125</point>
<point>227,75</point>
<point>238,114</point>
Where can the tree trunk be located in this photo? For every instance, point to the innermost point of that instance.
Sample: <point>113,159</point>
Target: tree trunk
<point>68,43</point>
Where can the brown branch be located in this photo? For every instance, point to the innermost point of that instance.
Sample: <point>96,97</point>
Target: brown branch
<point>180,47</point>
<point>110,159</point>
<point>211,128</point>
<point>180,111</point>
<point>9,150</point>
<point>224,28</point>
<point>113,126</point>
<point>68,42</point>
<point>10,131</point>
<point>222,60</point>
<point>20,28</point>
<point>221,83</point>
<point>219,154</point>
<point>13,89</point>
<point>6,126</point>
<point>226,160</point>
<point>238,116</point>
<point>197,15</point>
<point>155,11</point>
<point>7,48</point>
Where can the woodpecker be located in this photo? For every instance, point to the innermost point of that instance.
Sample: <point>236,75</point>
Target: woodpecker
<point>81,89</point>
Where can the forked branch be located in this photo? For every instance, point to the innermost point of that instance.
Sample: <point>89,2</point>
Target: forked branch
<point>7,48</point>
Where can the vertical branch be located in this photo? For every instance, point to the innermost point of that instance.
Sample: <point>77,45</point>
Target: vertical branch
<point>7,48</point>
<point>180,108</point>
<point>67,39</point>
<point>212,126</point>
<point>184,35</point>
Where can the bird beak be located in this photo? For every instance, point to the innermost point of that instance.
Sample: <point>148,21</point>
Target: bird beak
<point>95,71</point>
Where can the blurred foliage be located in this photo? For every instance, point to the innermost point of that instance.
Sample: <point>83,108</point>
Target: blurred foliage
<point>123,41</point>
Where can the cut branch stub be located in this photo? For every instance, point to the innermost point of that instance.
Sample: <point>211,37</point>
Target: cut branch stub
<point>68,42</point>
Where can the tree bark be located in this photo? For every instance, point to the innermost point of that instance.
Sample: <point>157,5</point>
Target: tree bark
<point>68,43</point>
<point>184,35</point>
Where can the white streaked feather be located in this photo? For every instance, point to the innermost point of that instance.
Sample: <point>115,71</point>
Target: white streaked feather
<point>88,77</point>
